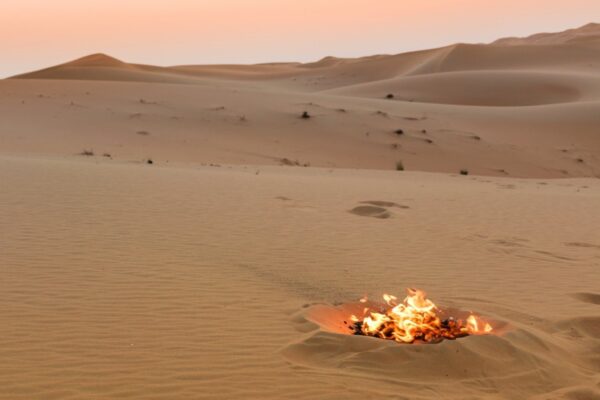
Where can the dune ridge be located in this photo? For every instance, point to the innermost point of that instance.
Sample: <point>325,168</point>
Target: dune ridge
<point>545,51</point>
<point>586,34</point>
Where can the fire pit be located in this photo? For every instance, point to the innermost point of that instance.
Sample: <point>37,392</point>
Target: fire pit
<point>414,320</point>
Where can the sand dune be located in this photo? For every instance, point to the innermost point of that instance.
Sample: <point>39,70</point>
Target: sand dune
<point>105,68</point>
<point>484,88</point>
<point>473,57</point>
<point>500,109</point>
<point>501,55</point>
<point>587,34</point>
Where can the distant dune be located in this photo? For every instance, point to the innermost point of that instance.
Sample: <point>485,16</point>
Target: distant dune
<point>524,100</point>
<point>587,34</point>
<point>570,48</point>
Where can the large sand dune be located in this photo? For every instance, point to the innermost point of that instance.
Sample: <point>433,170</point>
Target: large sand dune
<point>587,34</point>
<point>485,88</point>
<point>225,269</point>
<point>499,109</point>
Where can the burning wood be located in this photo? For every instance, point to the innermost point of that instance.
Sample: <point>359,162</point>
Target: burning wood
<point>414,320</point>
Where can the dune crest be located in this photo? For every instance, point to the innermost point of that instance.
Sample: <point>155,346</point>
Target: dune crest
<point>584,34</point>
<point>96,60</point>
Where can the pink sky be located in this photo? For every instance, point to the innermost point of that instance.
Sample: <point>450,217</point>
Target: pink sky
<point>39,33</point>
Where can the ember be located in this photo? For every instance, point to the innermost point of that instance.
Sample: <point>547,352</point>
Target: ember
<point>416,319</point>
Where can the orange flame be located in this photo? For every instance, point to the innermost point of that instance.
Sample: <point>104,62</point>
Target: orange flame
<point>416,319</point>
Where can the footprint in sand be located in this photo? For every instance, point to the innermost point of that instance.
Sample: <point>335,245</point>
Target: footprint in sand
<point>371,211</point>
<point>591,298</point>
<point>376,209</point>
<point>583,245</point>
<point>295,204</point>
<point>379,203</point>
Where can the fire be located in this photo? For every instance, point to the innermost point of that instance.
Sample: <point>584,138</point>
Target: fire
<point>415,319</point>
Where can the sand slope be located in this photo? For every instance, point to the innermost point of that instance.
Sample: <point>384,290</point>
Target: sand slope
<point>485,88</point>
<point>222,122</point>
<point>135,281</point>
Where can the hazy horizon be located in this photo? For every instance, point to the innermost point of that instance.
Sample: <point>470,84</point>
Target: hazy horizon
<point>35,34</point>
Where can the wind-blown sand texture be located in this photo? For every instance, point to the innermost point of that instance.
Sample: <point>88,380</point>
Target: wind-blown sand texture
<point>186,280</point>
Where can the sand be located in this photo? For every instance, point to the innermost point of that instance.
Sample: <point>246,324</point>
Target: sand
<point>225,268</point>
<point>524,110</point>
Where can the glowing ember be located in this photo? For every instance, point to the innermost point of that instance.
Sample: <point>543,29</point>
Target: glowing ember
<point>415,319</point>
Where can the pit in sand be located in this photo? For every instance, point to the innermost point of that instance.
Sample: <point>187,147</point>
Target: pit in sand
<point>416,319</point>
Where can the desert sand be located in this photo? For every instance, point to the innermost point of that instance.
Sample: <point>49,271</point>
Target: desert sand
<point>225,268</point>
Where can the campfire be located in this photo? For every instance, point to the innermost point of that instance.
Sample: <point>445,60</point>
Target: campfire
<point>415,320</point>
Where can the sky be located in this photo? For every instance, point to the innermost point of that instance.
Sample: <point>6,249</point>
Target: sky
<point>39,33</point>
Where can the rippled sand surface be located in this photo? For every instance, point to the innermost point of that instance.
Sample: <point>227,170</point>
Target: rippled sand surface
<point>146,281</point>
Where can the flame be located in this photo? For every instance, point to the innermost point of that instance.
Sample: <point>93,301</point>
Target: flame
<point>415,319</point>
